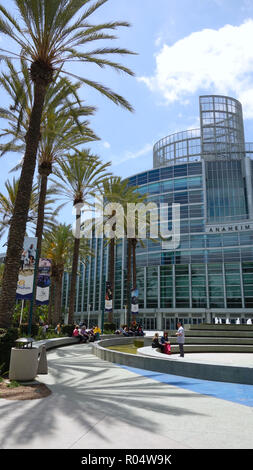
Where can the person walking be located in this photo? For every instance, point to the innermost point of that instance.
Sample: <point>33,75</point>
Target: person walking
<point>44,329</point>
<point>58,328</point>
<point>180,338</point>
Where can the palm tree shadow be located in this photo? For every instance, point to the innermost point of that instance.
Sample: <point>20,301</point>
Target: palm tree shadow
<point>87,392</point>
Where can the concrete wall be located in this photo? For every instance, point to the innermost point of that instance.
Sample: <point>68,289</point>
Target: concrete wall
<point>169,365</point>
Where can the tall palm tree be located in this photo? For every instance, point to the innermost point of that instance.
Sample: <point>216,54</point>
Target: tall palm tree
<point>134,197</point>
<point>49,34</point>
<point>7,204</point>
<point>81,175</point>
<point>61,129</point>
<point>57,245</point>
<point>116,190</point>
<point>1,274</point>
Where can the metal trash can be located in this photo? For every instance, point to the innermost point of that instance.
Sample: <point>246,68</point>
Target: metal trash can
<point>24,360</point>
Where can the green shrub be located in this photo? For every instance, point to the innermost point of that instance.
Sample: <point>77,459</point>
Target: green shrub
<point>7,341</point>
<point>13,384</point>
<point>67,329</point>
<point>109,327</point>
<point>24,330</point>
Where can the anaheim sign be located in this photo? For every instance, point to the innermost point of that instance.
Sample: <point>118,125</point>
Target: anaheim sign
<point>229,227</point>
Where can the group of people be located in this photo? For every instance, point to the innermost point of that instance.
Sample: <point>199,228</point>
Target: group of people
<point>135,329</point>
<point>164,344</point>
<point>84,335</point>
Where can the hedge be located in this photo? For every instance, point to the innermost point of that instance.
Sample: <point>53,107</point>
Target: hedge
<point>67,329</point>
<point>109,326</point>
<point>7,341</point>
<point>23,330</point>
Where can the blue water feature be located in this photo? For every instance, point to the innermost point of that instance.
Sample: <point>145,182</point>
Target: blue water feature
<point>237,393</point>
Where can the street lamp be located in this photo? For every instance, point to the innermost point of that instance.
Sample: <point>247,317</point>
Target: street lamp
<point>88,316</point>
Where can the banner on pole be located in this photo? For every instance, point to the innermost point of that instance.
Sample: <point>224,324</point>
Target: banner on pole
<point>43,281</point>
<point>134,301</point>
<point>26,272</point>
<point>108,297</point>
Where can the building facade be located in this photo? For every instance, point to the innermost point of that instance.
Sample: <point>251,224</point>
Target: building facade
<point>209,172</point>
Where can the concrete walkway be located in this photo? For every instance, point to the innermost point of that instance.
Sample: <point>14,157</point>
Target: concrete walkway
<point>98,405</point>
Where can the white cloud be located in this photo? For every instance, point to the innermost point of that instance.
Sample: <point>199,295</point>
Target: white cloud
<point>106,145</point>
<point>218,61</point>
<point>147,148</point>
<point>158,41</point>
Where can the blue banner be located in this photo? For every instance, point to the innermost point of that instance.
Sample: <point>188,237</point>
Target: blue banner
<point>26,272</point>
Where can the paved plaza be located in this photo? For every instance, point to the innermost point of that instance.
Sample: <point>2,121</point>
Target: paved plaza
<point>99,405</point>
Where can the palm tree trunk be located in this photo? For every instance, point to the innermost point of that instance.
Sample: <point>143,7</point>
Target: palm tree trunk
<point>133,244</point>
<point>44,172</point>
<point>72,293</point>
<point>50,304</point>
<point>111,274</point>
<point>19,219</point>
<point>129,276</point>
<point>57,299</point>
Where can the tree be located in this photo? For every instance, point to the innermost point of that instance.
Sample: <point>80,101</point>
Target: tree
<point>133,238</point>
<point>62,127</point>
<point>49,35</point>
<point>117,190</point>
<point>7,204</point>
<point>57,246</point>
<point>1,274</point>
<point>81,175</point>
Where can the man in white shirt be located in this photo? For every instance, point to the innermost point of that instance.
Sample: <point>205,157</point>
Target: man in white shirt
<point>180,338</point>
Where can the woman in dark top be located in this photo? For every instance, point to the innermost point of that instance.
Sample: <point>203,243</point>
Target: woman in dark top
<point>164,340</point>
<point>155,341</point>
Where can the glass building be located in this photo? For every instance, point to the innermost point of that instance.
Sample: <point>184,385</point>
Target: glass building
<point>209,172</point>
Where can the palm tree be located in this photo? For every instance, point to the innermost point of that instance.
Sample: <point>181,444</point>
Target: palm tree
<point>80,175</point>
<point>61,128</point>
<point>117,190</point>
<point>49,35</point>
<point>1,274</point>
<point>134,197</point>
<point>57,245</point>
<point>7,204</point>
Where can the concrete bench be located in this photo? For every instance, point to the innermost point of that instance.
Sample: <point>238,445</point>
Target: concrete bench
<point>55,342</point>
<point>60,342</point>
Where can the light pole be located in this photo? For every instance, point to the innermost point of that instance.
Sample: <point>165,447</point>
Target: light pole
<point>21,313</point>
<point>88,316</point>
<point>33,300</point>
<point>125,319</point>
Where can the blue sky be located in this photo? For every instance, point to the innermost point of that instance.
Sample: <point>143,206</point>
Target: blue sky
<point>185,48</point>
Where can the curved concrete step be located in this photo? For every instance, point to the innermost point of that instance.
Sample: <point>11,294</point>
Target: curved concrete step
<point>221,333</point>
<point>208,340</point>
<point>191,348</point>
<point>220,327</point>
